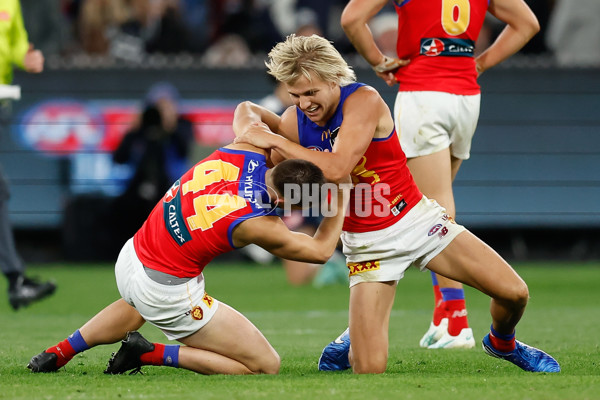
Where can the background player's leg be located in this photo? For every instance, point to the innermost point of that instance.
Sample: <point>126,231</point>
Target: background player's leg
<point>434,174</point>
<point>471,261</point>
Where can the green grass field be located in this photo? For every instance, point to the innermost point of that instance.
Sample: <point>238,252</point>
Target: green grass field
<point>563,318</point>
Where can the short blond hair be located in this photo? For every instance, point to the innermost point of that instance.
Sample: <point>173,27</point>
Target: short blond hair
<point>300,55</point>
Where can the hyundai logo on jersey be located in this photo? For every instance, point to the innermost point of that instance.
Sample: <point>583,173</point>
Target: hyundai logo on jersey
<point>252,165</point>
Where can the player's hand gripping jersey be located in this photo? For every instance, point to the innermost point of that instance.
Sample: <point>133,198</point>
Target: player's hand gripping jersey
<point>438,36</point>
<point>384,188</point>
<point>195,219</point>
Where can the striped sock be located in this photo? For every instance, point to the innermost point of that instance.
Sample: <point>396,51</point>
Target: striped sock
<point>454,303</point>
<point>163,354</point>
<point>439,311</point>
<point>500,342</point>
<point>77,342</point>
<point>67,349</point>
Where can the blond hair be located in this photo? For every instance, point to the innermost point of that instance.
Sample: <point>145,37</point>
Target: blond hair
<point>300,55</point>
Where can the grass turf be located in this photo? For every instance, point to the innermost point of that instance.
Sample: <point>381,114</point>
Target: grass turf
<point>562,318</point>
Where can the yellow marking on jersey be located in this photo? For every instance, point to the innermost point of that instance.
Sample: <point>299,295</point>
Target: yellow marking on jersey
<point>393,202</point>
<point>361,171</point>
<point>210,172</point>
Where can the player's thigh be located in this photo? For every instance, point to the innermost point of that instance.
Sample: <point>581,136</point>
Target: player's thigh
<point>455,164</point>
<point>471,261</point>
<point>370,308</point>
<point>465,116</point>
<point>232,335</point>
<point>433,175</point>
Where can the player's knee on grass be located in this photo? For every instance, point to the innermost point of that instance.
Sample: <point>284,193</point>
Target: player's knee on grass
<point>371,364</point>
<point>268,364</point>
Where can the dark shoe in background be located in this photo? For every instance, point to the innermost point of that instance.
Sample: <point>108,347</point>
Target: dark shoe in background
<point>27,290</point>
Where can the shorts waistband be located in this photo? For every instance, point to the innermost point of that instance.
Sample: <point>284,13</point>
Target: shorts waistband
<point>164,278</point>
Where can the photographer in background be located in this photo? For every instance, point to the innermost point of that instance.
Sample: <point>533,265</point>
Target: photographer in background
<point>157,148</point>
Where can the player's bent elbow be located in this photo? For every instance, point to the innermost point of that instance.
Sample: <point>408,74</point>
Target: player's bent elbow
<point>241,106</point>
<point>535,27</point>
<point>529,27</point>
<point>244,104</point>
<point>245,107</point>
<point>322,256</point>
<point>350,19</point>
<point>336,175</point>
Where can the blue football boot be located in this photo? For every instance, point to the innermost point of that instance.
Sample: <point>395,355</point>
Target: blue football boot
<point>335,355</point>
<point>526,357</point>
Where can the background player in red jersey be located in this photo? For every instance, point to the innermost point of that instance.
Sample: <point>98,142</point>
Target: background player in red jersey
<point>225,201</point>
<point>437,106</point>
<point>390,226</point>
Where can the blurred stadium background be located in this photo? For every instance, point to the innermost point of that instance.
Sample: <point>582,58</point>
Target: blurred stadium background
<point>531,188</point>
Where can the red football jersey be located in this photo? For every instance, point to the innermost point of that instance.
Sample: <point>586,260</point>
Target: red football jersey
<point>438,36</point>
<point>384,188</point>
<point>194,221</point>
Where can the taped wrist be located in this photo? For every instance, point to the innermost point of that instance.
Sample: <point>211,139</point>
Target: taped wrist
<point>387,64</point>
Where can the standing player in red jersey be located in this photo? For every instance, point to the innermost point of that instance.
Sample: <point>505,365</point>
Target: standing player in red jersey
<point>224,202</point>
<point>345,127</point>
<point>437,106</point>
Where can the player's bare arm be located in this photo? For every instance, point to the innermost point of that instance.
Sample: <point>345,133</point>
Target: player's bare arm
<point>248,114</point>
<point>365,115</point>
<point>354,21</point>
<point>272,234</point>
<point>521,26</point>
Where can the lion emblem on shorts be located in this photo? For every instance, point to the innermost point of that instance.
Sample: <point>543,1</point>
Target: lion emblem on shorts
<point>197,313</point>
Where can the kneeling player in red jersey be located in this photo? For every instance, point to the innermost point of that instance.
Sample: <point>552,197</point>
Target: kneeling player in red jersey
<point>224,202</point>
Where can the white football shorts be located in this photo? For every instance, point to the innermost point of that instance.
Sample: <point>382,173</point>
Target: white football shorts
<point>177,310</point>
<point>428,122</point>
<point>384,255</point>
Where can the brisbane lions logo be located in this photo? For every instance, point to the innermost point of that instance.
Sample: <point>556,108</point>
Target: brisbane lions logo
<point>172,192</point>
